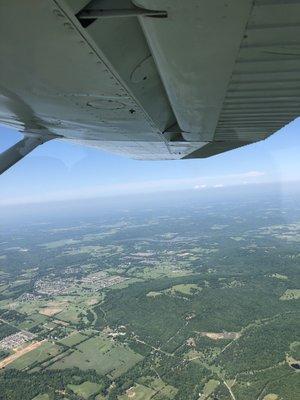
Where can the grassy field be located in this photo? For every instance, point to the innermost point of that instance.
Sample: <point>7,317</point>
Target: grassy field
<point>45,351</point>
<point>181,288</point>
<point>101,354</point>
<point>33,320</point>
<point>159,389</point>
<point>138,392</point>
<point>86,389</point>
<point>73,339</point>
<point>154,294</point>
<point>195,356</point>
<point>163,390</point>
<point>185,288</point>
<point>70,314</point>
<point>167,392</point>
<point>209,388</point>
<point>30,307</point>
<point>271,396</point>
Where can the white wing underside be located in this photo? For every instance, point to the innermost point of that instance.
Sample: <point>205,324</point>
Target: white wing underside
<point>196,79</point>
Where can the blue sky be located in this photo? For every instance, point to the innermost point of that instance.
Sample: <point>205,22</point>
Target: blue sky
<point>61,170</point>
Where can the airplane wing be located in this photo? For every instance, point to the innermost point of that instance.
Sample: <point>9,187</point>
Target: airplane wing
<point>150,79</point>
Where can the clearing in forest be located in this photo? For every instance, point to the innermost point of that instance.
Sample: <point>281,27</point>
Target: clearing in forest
<point>138,392</point>
<point>86,389</point>
<point>221,335</point>
<point>291,294</point>
<point>187,288</point>
<point>271,396</point>
<point>209,388</point>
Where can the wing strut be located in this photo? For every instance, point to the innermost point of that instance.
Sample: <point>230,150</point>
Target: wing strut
<point>15,153</point>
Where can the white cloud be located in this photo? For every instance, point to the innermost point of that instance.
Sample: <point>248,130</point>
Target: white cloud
<point>197,187</point>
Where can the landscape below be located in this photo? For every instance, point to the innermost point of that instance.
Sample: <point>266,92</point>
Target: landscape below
<point>196,301</point>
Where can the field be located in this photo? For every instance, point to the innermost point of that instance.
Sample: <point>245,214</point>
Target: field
<point>70,314</point>
<point>209,388</point>
<point>162,390</point>
<point>40,353</point>
<point>13,359</point>
<point>73,339</point>
<point>50,311</point>
<point>271,396</point>
<point>101,354</point>
<point>188,288</point>
<point>86,389</point>
<point>138,392</point>
<point>33,320</point>
<point>185,288</point>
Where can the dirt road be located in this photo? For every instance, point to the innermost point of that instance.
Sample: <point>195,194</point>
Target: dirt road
<point>20,353</point>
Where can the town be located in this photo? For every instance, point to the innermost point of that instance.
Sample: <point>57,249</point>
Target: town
<point>16,340</point>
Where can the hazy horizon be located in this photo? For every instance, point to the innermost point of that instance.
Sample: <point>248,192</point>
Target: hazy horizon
<point>279,193</point>
<point>62,170</point>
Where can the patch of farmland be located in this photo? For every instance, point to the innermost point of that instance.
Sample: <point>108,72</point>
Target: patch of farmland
<point>185,288</point>
<point>70,314</point>
<point>86,389</point>
<point>101,354</point>
<point>73,339</point>
<point>50,311</point>
<point>37,355</point>
<point>163,391</point>
<point>138,392</point>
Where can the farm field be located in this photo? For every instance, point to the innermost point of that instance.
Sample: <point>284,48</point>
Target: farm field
<point>86,389</point>
<point>36,356</point>
<point>101,355</point>
<point>138,392</point>
<point>73,339</point>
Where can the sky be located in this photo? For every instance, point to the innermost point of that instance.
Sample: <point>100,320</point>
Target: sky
<point>61,170</point>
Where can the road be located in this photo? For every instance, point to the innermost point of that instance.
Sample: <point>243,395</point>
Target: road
<point>229,389</point>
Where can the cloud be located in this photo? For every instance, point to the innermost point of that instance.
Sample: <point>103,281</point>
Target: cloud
<point>197,187</point>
